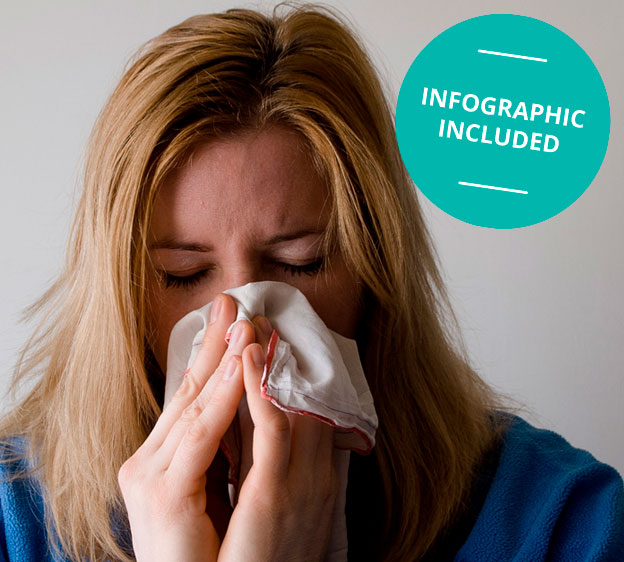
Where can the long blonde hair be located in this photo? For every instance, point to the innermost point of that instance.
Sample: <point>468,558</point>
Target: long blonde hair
<point>95,398</point>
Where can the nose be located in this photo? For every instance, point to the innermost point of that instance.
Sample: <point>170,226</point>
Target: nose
<point>240,273</point>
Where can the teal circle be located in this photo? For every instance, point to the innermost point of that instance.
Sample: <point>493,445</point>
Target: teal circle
<point>553,178</point>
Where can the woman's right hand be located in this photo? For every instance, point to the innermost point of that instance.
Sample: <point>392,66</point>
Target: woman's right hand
<point>163,482</point>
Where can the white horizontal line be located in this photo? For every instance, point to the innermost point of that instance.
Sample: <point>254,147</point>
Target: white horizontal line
<point>491,187</point>
<point>510,55</point>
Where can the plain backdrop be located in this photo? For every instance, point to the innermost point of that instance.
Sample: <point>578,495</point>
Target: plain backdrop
<point>541,308</point>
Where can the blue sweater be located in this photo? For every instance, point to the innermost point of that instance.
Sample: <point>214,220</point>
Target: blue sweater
<point>545,500</point>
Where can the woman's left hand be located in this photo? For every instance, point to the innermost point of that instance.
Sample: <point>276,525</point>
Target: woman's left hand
<point>286,502</point>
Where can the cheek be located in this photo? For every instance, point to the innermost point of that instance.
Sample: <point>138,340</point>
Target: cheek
<point>339,310</point>
<point>163,311</point>
<point>338,300</point>
<point>157,321</point>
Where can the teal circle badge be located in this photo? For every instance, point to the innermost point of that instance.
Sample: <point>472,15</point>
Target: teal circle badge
<point>502,121</point>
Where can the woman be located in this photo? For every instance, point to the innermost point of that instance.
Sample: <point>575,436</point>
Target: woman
<point>242,147</point>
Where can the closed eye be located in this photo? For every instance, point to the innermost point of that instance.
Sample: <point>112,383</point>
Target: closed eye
<point>309,268</point>
<point>189,281</point>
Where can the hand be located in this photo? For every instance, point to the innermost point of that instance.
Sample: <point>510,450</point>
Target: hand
<point>286,502</point>
<point>164,482</point>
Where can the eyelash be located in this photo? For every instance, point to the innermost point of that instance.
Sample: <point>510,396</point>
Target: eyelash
<point>189,281</point>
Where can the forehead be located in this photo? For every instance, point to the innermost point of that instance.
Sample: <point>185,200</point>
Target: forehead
<point>259,180</point>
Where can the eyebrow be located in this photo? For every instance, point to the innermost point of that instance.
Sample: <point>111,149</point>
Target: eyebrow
<point>171,243</point>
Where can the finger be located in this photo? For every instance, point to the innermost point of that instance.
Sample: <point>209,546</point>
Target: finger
<point>198,446</point>
<point>271,439</point>
<point>325,448</point>
<point>306,441</point>
<point>242,335</point>
<point>264,333</point>
<point>263,330</point>
<point>246,442</point>
<point>209,356</point>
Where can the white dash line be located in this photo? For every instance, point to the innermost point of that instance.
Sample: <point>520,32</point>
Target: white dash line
<point>492,187</point>
<point>510,55</point>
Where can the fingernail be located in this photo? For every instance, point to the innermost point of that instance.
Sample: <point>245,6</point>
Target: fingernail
<point>264,325</point>
<point>230,368</point>
<point>258,356</point>
<point>237,331</point>
<point>215,309</point>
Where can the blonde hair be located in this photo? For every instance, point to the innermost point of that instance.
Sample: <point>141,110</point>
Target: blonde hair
<point>95,401</point>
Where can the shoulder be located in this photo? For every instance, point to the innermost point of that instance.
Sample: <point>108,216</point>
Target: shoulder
<point>22,526</point>
<point>548,500</point>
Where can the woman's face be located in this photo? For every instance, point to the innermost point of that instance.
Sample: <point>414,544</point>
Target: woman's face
<point>249,208</point>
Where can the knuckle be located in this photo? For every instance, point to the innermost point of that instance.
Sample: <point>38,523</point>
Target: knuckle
<point>198,432</point>
<point>275,502</point>
<point>124,475</point>
<point>131,478</point>
<point>191,412</point>
<point>147,492</point>
<point>278,430</point>
<point>129,471</point>
<point>162,498</point>
<point>189,388</point>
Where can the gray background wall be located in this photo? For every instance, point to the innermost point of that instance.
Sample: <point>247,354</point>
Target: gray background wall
<point>541,307</point>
